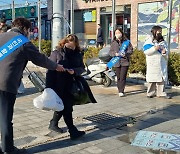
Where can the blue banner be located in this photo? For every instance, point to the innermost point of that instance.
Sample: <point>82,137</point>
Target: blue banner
<point>148,46</point>
<point>157,140</point>
<point>12,45</point>
<point>114,60</point>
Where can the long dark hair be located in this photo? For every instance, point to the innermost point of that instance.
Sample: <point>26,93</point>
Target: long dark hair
<point>154,31</point>
<point>123,35</point>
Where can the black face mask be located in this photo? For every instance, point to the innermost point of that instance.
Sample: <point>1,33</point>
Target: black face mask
<point>159,37</point>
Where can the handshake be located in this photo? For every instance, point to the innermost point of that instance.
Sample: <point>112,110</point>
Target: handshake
<point>60,68</point>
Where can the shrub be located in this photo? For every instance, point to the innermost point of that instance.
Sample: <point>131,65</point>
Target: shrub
<point>138,62</point>
<point>45,46</point>
<point>174,68</point>
<point>91,52</point>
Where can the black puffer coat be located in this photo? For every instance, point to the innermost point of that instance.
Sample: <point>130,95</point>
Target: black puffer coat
<point>61,82</point>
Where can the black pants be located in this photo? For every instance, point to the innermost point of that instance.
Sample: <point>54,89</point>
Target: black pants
<point>121,73</point>
<point>7,101</point>
<point>99,44</point>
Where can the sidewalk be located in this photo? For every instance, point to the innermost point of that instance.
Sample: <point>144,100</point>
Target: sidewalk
<point>102,137</point>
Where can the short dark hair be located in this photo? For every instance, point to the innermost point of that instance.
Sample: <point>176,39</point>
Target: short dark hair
<point>21,23</point>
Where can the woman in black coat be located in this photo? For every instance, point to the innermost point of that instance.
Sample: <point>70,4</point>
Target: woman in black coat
<point>67,54</point>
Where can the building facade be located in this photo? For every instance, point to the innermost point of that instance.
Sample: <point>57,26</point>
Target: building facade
<point>31,13</point>
<point>135,17</point>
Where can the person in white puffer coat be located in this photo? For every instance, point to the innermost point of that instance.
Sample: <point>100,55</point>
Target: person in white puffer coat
<point>156,52</point>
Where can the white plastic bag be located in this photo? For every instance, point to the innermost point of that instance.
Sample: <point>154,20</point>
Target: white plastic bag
<point>48,100</point>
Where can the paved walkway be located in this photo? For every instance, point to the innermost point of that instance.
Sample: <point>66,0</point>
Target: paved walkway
<point>156,114</point>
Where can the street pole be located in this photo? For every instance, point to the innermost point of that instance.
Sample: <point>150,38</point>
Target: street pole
<point>39,24</point>
<point>58,24</point>
<point>113,17</point>
<point>13,10</point>
<point>72,16</point>
<point>169,25</point>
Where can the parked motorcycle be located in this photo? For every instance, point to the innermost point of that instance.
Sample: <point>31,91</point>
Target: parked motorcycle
<point>97,71</point>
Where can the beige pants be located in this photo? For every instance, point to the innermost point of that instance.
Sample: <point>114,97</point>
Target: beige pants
<point>156,88</point>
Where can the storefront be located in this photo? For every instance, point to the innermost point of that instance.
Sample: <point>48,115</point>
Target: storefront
<point>30,12</point>
<point>135,17</point>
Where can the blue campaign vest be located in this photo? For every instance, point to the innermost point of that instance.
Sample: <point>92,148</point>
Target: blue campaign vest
<point>114,60</point>
<point>12,45</point>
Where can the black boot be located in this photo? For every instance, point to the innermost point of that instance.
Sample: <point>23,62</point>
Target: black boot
<point>75,133</point>
<point>54,122</point>
<point>54,127</point>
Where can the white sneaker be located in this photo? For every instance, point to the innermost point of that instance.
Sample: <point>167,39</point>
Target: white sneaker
<point>121,94</point>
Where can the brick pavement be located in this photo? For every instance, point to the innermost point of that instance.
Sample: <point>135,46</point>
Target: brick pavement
<point>31,125</point>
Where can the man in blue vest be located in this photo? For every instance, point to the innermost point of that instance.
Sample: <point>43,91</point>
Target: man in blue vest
<point>12,63</point>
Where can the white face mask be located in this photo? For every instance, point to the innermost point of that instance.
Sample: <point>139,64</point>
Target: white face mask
<point>118,36</point>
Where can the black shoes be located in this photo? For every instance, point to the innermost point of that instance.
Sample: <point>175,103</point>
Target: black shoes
<point>75,134</point>
<point>17,151</point>
<point>150,96</point>
<point>166,97</point>
<point>55,128</point>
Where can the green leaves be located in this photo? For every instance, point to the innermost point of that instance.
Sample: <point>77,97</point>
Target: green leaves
<point>174,68</point>
<point>45,46</point>
<point>138,62</point>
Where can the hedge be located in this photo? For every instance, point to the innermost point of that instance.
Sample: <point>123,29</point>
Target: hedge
<point>174,68</point>
<point>45,46</point>
<point>91,53</point>
<point>137,63</point>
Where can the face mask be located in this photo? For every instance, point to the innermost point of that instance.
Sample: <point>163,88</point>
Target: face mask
<point>159,37</point>
<point>69,46</point>
<point>73,48</point>
<point>118,36</point>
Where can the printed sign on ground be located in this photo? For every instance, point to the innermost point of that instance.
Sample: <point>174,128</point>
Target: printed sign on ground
<point>157,140</point>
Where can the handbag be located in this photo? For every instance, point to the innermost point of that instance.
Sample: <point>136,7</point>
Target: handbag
<point>78,92</point>
<point>48,100</point>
